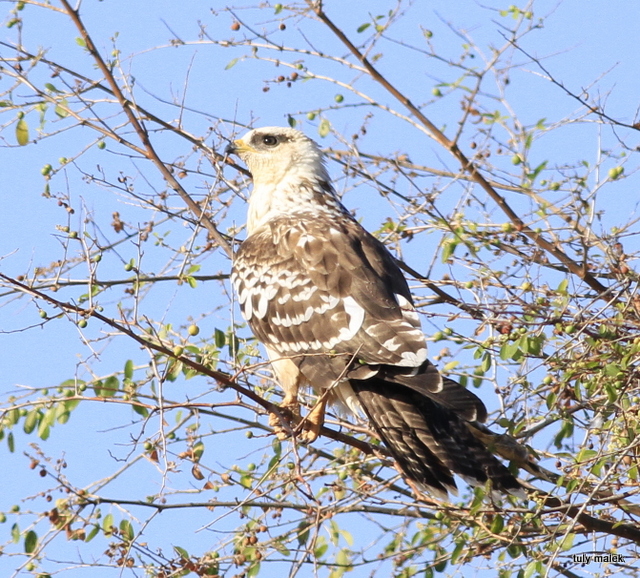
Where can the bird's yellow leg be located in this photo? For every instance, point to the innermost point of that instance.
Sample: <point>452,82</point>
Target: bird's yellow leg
<point>308,428</point>
<point>290,410</point>
<point>312,424</point>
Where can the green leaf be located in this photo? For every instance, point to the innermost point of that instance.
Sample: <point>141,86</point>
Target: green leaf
<point>128,369</point>
<point>612,393</point>
<point>321,548</point>
<point>91,535</point>
<point>523,344</point>
<point>348,538</point>
<point>111,386</point>
<point>497,525</point>
<point>61,109</point>
<point>303,532</point>
<point>509,350</point>
<point>49,417</point>
<point>126,530</point>
<point>325,128</point>
<point>181,552</point>
<point>532,567</point>
<point>30,542</point>
<point>62,415</point>
<point>534,344</point>
<point>71,404</point>
<point>12,417</point>
<point>175,371</point>
<point>440,565</point>
<point>107,524</point>
<point>280,547</point>
<point>31,421</point>
<point>612,370</point>
<point>81,42</point>
<point>363,27</point>
<point>22,132</point>
<point>140,409</point>
<point>448,248</point>
<point>97,388</point>
<point>231,64</point>
<point>562,288</point>
<point>254,570</point>
<point>486,362</point>
<point>334,533</point>
<point>567,542</point>
<point>44,430</point>
<point>51,88</point>
<point>457,551</point>
<point>451,365</point>
<point>532,175</point>
<point>566,430</point>
<point>15,533</point>
<point>577,391</point>
<point>551,400</point>
<point>219,338</point>
<point>343,563</point>
<point>197,451</point>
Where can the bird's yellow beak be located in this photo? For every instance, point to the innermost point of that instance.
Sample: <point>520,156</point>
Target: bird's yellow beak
<point>237,147</point>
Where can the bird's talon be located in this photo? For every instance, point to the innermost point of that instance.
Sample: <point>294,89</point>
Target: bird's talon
<point>306,435</point>
<point>281,423</point>
<point>287,422</point>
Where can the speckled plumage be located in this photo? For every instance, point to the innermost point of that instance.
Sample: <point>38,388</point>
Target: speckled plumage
<point>334,311</point>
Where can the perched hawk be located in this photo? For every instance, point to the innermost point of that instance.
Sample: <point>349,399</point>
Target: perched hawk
<point>334,311</point>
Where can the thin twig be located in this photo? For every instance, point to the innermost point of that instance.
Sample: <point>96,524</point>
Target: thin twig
<point>142,132</point>
<point>467,165</point>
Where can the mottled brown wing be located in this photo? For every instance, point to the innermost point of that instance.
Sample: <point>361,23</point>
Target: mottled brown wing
<point>317,284</point>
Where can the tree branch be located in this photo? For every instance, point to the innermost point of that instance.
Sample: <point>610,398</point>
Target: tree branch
<point>466,165</point>
<point>142,133</point>
<point>222,378</point>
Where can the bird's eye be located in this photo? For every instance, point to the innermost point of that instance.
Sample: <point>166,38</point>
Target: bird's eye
<point>269,140</point>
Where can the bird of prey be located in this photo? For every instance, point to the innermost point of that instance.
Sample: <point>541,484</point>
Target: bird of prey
<point>334,311</point>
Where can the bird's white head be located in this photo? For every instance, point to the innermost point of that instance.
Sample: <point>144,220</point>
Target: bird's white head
<point>276,153</point>
<point>288,172</point>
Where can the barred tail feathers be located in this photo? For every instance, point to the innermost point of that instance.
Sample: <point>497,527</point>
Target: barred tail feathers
<point>429,441</point>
